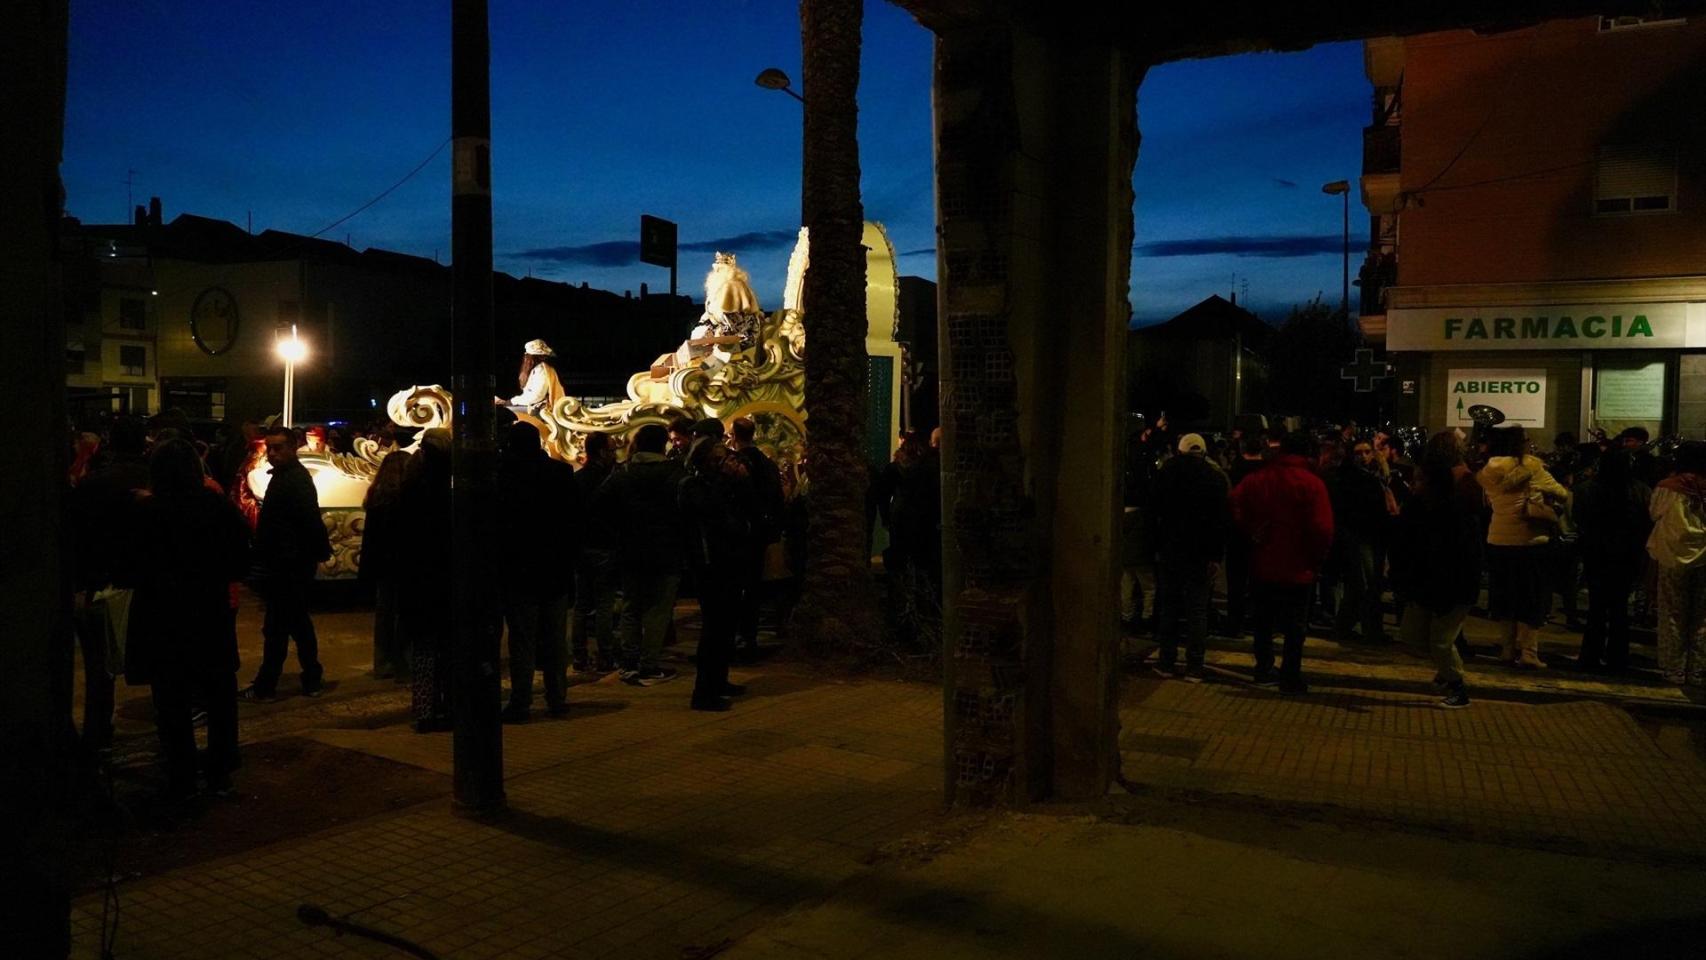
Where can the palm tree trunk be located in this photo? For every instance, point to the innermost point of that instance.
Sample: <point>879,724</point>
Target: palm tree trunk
<point>837,611</point>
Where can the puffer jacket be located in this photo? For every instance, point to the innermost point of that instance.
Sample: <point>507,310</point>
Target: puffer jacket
<point>1508,483</point>
<point>1678,509</point>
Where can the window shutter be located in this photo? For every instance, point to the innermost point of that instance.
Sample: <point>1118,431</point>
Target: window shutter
<point>1631,178</point>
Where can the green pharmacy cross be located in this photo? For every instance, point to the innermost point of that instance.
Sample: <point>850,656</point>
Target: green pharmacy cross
<point>1364,371</point>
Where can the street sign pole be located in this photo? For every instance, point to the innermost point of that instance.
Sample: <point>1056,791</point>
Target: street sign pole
<point>477,745</point>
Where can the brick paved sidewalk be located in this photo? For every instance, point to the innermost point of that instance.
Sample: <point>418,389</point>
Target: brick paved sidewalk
<point>638,829</point>
<point>1582,773</point>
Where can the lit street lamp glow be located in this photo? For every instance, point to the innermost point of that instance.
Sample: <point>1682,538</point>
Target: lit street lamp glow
<point>292,350</point>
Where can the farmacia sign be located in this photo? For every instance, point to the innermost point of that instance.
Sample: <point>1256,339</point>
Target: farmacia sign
<point>1547,327</point>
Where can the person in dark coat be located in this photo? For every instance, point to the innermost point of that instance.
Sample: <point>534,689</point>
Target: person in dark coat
<point>595,572</point>
<point>717,505</point>
<point>1612,522</point>
<point>290,543</point>
<point>104,507</point>
<point>1189,517</point>
<point>539,522</point>
<point>1363,508</point>
<point>190,544</point>
<point>384,566</point>
<point>1285,512</point>
<point>766,530</point>
<point>1436,563</point>
<point>423,522</point>
<point>641,498</point>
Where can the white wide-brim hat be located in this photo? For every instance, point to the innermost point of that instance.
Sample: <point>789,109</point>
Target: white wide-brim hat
<point>538,348</point>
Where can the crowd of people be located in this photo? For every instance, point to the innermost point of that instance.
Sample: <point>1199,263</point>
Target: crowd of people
<point>1297,526</point>
<point>595,555</point>
<point>1322,525</point>
<point>160,547</point>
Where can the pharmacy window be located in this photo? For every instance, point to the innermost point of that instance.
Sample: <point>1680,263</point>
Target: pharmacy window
<point>1630,392</point>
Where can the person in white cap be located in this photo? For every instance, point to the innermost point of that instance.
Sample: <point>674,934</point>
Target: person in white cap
<point>538,377</point>
<point>1189,517</point>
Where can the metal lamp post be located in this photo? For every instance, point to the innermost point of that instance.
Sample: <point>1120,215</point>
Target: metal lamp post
<point>292,350</point>
<point>1342,188</point>
<point>771,78</point>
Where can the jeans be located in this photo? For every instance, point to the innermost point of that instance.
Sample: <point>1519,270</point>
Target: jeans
<point>718,609</point>
<point>1237,586</point>
<point>750,596</point>
<point>175,690</point>
<point>1606,637</point>
<point>1425,629</point>
<point>595,606</point>
<point>538,637</point>
<point>1279,608</point>
<point>389,656</point>
<point>1565,562</point>
<point>648,611</point>
<point>1181,600</point>
<point>93,625</point>
<point>1361,600</point>
<point>287,618</point>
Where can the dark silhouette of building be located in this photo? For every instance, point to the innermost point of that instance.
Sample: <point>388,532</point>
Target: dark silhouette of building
<point>1203,368</point>
<point>185,314</point>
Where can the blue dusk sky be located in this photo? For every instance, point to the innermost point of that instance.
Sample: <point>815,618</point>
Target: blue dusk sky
<point>299,113</point>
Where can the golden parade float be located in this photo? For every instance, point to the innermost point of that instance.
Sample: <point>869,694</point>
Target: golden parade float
<point>737,361</point>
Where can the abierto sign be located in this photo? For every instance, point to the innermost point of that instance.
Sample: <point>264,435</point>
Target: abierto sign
<point>1518,395</point>
<point>1595,326</point>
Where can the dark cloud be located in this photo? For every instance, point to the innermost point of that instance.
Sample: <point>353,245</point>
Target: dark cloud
<point>614,253</point>
<point>1283,182</point>
<point>1268,247</point>
<point>620,253</point>
<point>920,252</point>
<point>757,240</point>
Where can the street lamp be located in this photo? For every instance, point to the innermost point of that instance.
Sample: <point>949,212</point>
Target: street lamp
<point>292,350</point>
<point>773,79</point>
<point>1343,188</point>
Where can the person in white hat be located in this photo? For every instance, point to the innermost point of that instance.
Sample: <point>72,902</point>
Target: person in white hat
<point>1189,517</point>
<point>538,377</point>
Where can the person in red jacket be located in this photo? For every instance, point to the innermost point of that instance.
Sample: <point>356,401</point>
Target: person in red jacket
<point>1284,512</point>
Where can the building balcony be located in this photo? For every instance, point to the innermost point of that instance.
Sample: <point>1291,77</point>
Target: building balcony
<point>1378,272</point>
<point>1380,149</point>
<point>1380,192</point>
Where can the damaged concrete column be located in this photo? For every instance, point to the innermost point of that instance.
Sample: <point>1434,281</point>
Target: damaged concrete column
<point>1035,145</point>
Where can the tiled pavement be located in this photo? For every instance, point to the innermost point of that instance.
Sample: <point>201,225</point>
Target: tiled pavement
<point>641,829</point>
<point>1581,772</point>
<point>637,829</point>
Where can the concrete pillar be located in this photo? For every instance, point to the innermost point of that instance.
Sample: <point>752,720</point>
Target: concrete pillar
<point>1035,145</point>
<point>36,666</point>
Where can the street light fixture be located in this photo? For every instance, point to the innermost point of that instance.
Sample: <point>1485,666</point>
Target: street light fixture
<point>292,350</point>
<point>1342,188</point>
<point>771,78</point>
